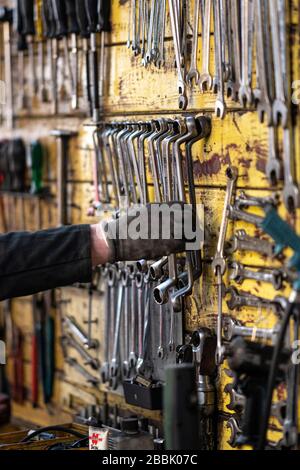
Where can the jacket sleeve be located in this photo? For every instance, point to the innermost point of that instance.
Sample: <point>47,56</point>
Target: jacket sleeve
<point>34,262</point>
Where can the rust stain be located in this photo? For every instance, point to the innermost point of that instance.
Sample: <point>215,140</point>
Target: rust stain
<point>211,166</point>
<point>245,162</point>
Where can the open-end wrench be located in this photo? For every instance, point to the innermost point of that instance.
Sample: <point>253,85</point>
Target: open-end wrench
<point>233,86</point>
<point>261,95</point>
<point>232,328</point>
<point>243,299</point>
<point>280,109</point>
<point>220,106</point>
<point>160,61</point>
<point>239,273</point>
<point>114,364</point>
<point>291,195</point>
<point>129,162</point>
<point>113,168</point>
<point>243,242</point>
<point>78,332</point>
<point>238,214</point>
<point>161,349</point>
<point>193,73</point>
<point>244,200</point>
<point>82,371</point>
<point>274,165</point>
<point>132,358</point>
<point>219,264</point>
<point>183,101</point>
<point>88,359</point>
<point>110,278</point>
<point>147,57</point>
<point>205,80</point>
<point>125,363</point>
<point>245,91</point>
<point>143,365</point>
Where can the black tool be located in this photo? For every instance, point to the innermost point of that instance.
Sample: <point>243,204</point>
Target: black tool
<point>251,363</point>
<point>85,35</point>
<point>92,11</point>
<point>27,12</point>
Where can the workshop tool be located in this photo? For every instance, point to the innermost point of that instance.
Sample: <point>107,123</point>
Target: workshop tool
<point>219,263</point>
<point>6,18</point>
<point>91,379</point>
<point>49,31</point>
<point>243,242</point>
<point>181,424</point>
<point>28,16</point>
<point>90,321</point>
<point>93,22</point>
<point>76,330</point>
<point>85,35</point>
<point>240,273</point>
<point>36,165</point>
<point>63,139</point>
<point>104,28</point>
<point>73,31</point>
<point>251,362</point>
<point>17,352</point>
<point>70,342</point>
<point>233,328</point>
<point>41,38</point>
<point>61,34</point>
<point>240,299</point>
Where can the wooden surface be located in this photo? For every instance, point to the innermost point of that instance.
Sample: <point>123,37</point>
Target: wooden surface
<point>136,93</point>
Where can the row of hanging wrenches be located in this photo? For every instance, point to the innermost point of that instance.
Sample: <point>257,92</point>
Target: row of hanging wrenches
<point>60,24</point>
<point>236,208</point>
<point>239,25</point>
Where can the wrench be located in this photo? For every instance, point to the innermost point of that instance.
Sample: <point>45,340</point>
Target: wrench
<point>290,189</point>
<point>89,360</point>
<point>77,331</point>
<point>245,201</point>
<point>160,349</point>
<point>160,61</point>
<point>231,328</point>
<point>110,277</point>
<point>262,96</point>
<point>132,358</point>
<point>234,85</point>
<point>243,242</point>
<point>205,81</point>
<point>219,264</point>
<point>90,378</point>
<point>126,367</point>
<point>245,91</point>
<point>220,107</point>
<point>243,299</point>
<point>274,165</point>
<point>239,273</point>
<point>280,109</point>
<point>193,73</point>
<point>237,214</point>
<point>114,364</point>
<point>183,101</point>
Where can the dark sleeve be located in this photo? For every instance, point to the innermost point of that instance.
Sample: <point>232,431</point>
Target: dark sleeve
<point>34,262</point>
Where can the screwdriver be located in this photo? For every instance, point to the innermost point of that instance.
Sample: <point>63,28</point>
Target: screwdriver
<point>73,30</point>
<point>92,11</point>
<point>36,161</point>
<point>52,46</point>
<point>84,32</point>
<point>22,47</point>
<point>61,32</point>
<point>41,56</point>
<point>104,27</point>
<point>27,12</point>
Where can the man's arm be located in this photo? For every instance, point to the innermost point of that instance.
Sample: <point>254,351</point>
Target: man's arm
<point>33,262</point>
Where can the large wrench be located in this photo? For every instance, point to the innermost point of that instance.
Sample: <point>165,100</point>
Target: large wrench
<point>114,364</point>
<point>183,101</point>
<point>220,107</point>
<point>245,91</point>
<point>205,81</point>
<point>280,109</point>
<point>193,73</point>
<point>239,273</point>
<point>290,189</point>
<point>219,264</point>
